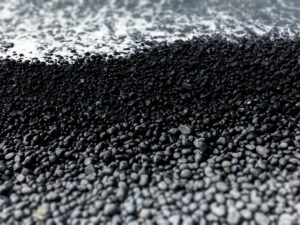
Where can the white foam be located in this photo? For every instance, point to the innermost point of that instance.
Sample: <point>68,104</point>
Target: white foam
<point>37,28</point>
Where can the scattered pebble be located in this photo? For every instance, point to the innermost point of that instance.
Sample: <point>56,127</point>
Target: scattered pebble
<point>186,173</point>
<point>184,129</point>
<point>42,213</point>
<point>110,209</point>
<point>261,150</point>
<point>261,218</point>
<point>144,213</point>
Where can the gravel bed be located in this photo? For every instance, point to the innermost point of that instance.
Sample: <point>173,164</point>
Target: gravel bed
<point>198,132</point>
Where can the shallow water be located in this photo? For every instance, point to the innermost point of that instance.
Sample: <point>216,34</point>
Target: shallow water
<point>39,28</point>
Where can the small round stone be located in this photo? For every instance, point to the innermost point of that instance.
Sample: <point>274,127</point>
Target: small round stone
<point>184,129</point>
<point>9,156</point>
<point>88,161</point>
<point>26,190</point>
<point>111,209</point>
<point>175,220</point>
<point>172,131</point>
<point>145,213</point>
<point>250,147</point>
<point>261,219</point>
<point>144,179</point>
<point>283,145</point>
<point>41,213</point>
<point>218,210</point>
<point>221,141</point>
<point>222,186</point>
<point>199,143</point>
<point>188,221</point>
<point>246,214</point>
<point>20,178</point>
<point>162,185</point>
<point>186,173</point>
<point>233,216</point>
<point>261,150</point>
<point>226,163</point>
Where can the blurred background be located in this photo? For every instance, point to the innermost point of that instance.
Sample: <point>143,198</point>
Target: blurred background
<point>36,28</point>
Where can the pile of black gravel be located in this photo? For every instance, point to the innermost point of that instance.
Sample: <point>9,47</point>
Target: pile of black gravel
<point>199,132</point>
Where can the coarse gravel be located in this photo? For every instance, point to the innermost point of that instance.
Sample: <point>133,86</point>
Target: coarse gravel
<point>204,132</point>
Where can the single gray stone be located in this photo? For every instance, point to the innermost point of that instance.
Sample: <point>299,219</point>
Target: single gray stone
<point>218,210</point>
<point>121,193</point>
<point>111,209</point>
<point>26,190</point>
<point>99,146</point>
<point>42,213</point>
<point>145,213</point>
<point>188,221</point>
<point>250,147</point>
<point>226,163</point>
<point>162,221</point>
<point>261,218</point>
<point>222,186</point>
<point>52,196</point>
<point>233,216</point>
<point>283,145</point>
<point>175,220</point>
<point>286,219</point>
<point>261,150</point>
<point>59,152</point>
<point>90,170</point>
<point>184,129</point>
<point>9,156</point>
<point>130,207</point>
<point>186,173</point>
<point>144,180</point>
<point>199,143</point>
<point>18,214</point>
<point>124,165</point>
<point>297,208</point>
<point>21,178</point>
<point>88,161</point>
<point>221,141</point>
<point>172,131</point>
<point>220,199</point>
<point>246,214</point>
<point>162,185</point>
<point>134,222</point>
